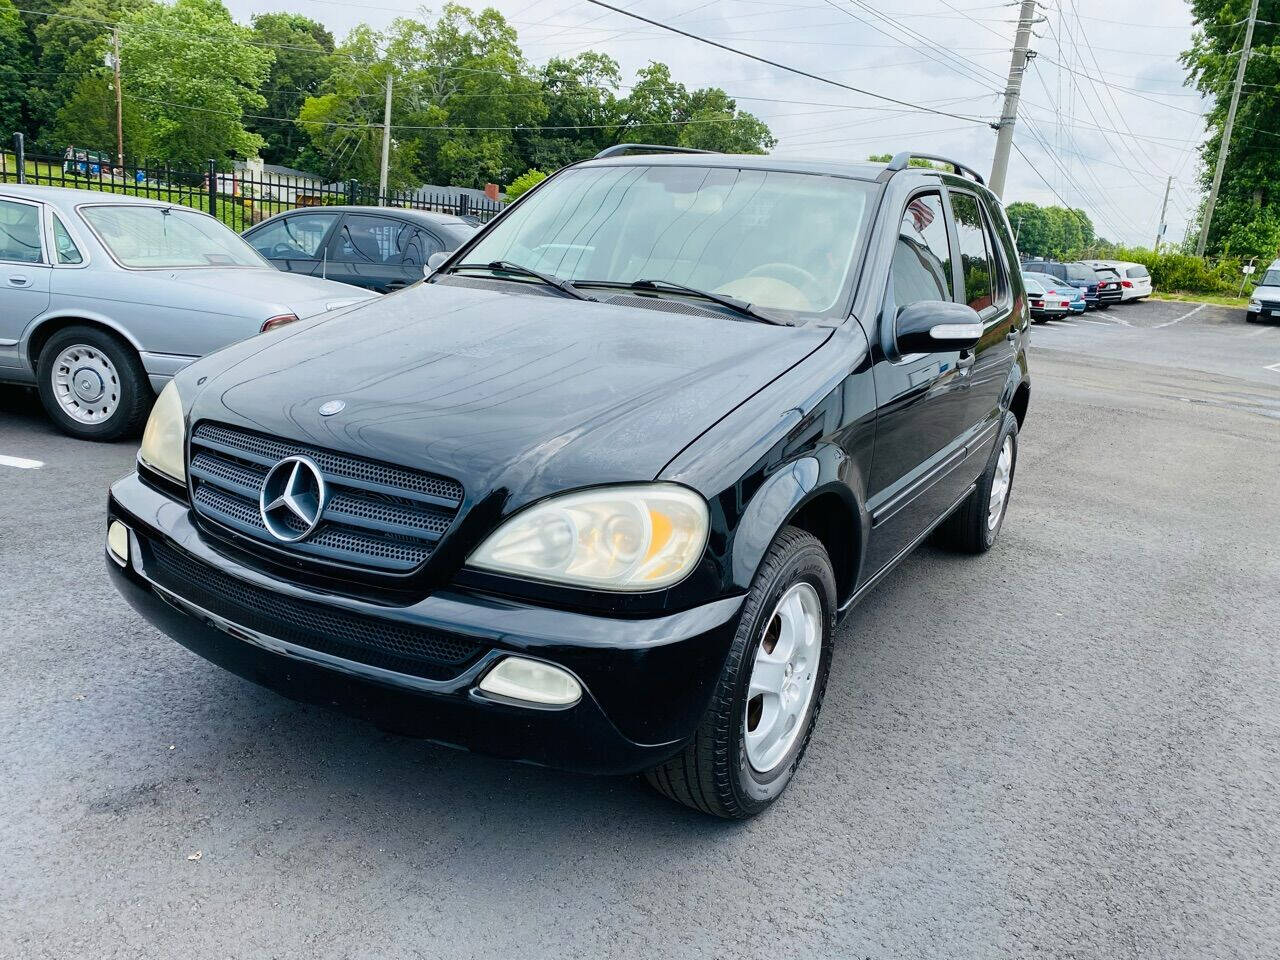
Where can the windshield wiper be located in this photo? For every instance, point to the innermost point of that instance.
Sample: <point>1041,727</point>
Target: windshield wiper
<point>506,266</point>
<point>740,307</point>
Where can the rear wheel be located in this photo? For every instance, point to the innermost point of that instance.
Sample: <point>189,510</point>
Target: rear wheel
<point>976,523</point>
<point>92,384</point>
<point>766,701</point>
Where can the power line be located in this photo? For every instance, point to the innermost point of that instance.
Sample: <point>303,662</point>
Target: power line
<point>789,69</point>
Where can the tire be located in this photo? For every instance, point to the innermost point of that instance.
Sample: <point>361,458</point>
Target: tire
<point>714,773</point>
<point>1104,306</point>
<point>1250,317</point>
<point>109,364</point>
<point>968,529</point>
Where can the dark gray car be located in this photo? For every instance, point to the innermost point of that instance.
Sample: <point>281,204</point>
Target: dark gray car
<point>372,247</point>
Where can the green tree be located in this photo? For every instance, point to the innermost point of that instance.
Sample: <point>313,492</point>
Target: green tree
<point>192,73</point>
<point>87,118</point>
<point>303,62</point>
<point>581,97</point>
<point>1248,199</point>
<point>15,67</point>
<point>716,123</point>
<point>69,47</point>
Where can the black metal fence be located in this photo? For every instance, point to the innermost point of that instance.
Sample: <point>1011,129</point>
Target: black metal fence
<point>239,198</point>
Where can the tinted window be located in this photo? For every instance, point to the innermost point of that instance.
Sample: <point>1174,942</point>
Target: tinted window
<point>1138,272</point>
<point>1078,271</point>
<point>20,232</point>
<point>922,258</point>
<point>383,240</point>
<point>63,244</point>
<point>294,238</point>
<point>977,264</point>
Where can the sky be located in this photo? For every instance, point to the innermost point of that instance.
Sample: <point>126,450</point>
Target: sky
<point>1104,116</point>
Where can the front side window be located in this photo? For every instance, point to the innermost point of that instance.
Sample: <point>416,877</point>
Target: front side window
<point>20,232</point>
<point>147,237</point>
<point>977,263</point>
<point>66,248</point>
<point>780,241</point>
<point>294,238</point>
<point>415,245</point>
<point>922,256</point>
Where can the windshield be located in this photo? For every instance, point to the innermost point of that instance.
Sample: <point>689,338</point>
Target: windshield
<point>782,241</point>
<point>145,236</point>
<point>1270,279</point>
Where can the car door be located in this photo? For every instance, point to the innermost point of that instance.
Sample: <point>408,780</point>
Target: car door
<point>296,243</point>
<point>24,274</point>
<point>988,288</point>
<point>364,252</point>
<point>920,397</point>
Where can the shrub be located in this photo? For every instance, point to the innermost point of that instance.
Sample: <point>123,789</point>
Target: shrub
<point>525,182</point>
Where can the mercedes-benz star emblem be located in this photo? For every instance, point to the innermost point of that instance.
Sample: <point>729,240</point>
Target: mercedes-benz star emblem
<point>292,499</point>
<point>330,407</point>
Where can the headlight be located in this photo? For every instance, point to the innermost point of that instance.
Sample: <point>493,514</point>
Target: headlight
<point>162,441</point>
<point>1255,305</point>
<point>639,537</point>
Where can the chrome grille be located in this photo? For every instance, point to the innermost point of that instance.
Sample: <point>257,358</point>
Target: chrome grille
<point>378,515</point>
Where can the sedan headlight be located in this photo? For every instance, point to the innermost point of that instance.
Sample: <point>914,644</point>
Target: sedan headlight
<point>1255,305</point>
<point>162,441</point>
<point>636,537</point>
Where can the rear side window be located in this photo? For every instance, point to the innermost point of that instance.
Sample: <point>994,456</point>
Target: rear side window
<point>20,232</point>
<point>922,257</point>
<point>1136,273</point>
<point>977,260</point>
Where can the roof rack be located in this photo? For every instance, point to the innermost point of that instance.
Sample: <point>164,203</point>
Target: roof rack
<point>620,148</point>
<point>903,160</point>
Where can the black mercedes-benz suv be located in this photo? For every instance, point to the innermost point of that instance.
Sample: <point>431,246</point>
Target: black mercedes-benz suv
<point>596,492</point>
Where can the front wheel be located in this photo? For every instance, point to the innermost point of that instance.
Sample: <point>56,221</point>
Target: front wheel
<point>766,701</point>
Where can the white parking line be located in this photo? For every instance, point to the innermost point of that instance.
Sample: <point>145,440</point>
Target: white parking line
<point>1189,313</point>
<point>1100,323</point>
<point>22,463</point>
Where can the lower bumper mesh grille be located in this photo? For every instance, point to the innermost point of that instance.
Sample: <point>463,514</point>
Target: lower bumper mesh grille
<point>370,640</point>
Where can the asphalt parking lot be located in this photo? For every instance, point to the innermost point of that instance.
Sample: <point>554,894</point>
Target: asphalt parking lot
<point>1065,748</point>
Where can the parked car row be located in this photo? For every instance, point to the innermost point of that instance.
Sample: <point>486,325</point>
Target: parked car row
<point>104,297</point>
<point>1079,285</point>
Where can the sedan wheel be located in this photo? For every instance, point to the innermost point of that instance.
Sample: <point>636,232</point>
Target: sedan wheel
<point>86,384</point>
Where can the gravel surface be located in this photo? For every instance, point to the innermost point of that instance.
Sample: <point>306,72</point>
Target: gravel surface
<point>1065,748</point>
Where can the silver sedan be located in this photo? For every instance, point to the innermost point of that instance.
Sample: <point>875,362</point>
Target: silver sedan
<point>104,297</point>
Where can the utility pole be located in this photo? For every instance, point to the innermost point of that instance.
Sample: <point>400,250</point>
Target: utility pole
<point>386,145</point>
<point>115,62</point>
<point>1012,91</point>
<point>1225,146</point>
<point>1168,184</point>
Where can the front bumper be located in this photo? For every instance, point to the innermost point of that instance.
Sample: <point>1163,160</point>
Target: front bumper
<point>646,682</point>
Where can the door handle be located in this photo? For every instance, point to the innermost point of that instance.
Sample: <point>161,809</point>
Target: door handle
<point>19,281</point>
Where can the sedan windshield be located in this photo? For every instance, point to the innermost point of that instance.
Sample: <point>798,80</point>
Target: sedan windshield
<point>781,241</point>
<point>145,236</point>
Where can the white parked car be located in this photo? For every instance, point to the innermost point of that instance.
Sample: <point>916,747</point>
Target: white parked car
<point>1135,280</point>
<point>1264,303</point>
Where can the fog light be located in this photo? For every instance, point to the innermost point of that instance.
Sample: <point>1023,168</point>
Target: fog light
<point>118,541</point>
<point>532,680</point>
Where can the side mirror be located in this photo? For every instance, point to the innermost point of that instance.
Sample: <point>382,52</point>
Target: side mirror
<point>934,326</point>
<point>433,262</point>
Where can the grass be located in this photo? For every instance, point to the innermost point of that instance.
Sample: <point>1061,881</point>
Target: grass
<point>1214,298</point>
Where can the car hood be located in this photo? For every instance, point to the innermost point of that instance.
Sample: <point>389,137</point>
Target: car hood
<point>515,395</point>
<point>1261,292</point>
<point>293,293</point>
